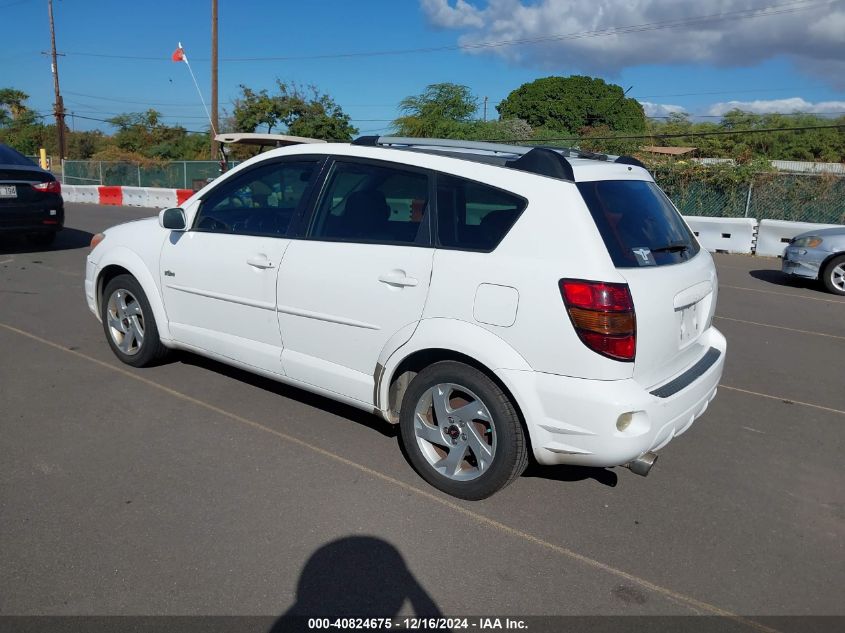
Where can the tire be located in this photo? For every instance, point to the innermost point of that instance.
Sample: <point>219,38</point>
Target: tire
<point>41,239</point>
<point>129,324</point>
<point>833,276</point>
<point>435,421</point>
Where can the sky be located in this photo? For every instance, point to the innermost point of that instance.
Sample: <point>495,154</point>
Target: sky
<point>674,55</point>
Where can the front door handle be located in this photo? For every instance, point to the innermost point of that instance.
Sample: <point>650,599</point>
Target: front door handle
<point>397,278</point>
<point>259,260</point>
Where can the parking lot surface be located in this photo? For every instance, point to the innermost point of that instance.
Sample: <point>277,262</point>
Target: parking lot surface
<point>194,488</point>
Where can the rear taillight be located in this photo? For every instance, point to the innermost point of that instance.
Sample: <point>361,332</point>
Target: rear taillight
<point>53,186</point>
<point>603,316</point>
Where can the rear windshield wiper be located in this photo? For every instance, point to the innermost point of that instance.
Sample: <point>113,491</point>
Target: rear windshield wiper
<point>671,248</point>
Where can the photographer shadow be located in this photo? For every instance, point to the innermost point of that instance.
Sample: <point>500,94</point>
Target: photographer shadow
<point>355,577</point>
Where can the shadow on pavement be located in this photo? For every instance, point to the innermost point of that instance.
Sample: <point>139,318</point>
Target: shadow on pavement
<point>604,476</point>
<point>778,278</point>
<point>299,395</point>
<point>67,239</point>
<point>356,576</point>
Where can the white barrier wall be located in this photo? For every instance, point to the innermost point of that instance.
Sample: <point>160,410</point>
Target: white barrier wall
<point>774,235</point>
<point>161,198</point>
<point>69,193</point>
<point>87,193</point>
<point>729,235</point>
<point>136,196</point>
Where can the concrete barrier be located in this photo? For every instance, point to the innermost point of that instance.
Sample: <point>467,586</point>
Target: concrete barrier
<point>88,194</point>
<point>111,195</point>
<point>161,198</point>
<point>69,193</point>
<point>136,196</point>
<point>183,194</point>
<point>726,235</point>
<point>774,235</point>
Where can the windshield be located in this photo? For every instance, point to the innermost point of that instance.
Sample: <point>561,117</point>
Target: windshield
<point>638,223</point>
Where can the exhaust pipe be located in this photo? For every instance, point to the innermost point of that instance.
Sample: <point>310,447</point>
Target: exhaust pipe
<point>642,465</point>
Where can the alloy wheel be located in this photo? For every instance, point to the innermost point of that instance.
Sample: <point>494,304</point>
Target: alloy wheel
<point>125,321</point>
<point>455,432</point>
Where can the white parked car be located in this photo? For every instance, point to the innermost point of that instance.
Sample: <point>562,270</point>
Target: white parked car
<point>492,300</point>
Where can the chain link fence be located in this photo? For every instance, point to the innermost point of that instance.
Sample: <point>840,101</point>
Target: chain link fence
<point>189,174</point>
<point>765,196</point>
<point>770,195</point>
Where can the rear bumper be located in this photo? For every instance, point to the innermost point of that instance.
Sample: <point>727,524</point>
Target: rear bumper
<point>31,217</point>
<point>573,420</point>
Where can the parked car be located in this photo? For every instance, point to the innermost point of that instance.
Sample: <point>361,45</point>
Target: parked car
<point>30,199</point>
<point>493,300</point>
<point>818,255</point>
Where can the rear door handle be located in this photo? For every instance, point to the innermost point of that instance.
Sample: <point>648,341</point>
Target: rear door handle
<point>259,260</point>
<point>397,278</point>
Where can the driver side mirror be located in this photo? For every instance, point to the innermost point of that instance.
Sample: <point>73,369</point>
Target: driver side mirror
<point>173,219</point>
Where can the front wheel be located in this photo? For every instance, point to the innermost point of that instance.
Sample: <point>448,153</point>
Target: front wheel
<point>461,432</point>
<point>129,323</point>
<point>833,275</point>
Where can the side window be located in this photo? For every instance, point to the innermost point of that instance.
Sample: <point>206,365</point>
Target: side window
<point>260,201</point>
<point>372,203</point>
<point>472,215</point>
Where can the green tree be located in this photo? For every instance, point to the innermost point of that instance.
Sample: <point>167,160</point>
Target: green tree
<point>143,134</point>
<point>297,110</point>
<point>20,126</point>
<point>442,110</point>
<point>570,104</point>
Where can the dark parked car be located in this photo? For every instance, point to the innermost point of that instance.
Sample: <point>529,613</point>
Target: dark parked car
<point>30,198</point>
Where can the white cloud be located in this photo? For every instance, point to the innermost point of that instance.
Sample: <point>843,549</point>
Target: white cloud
<point>814,37</point>
<point>661,109</point>
<point>793,104</point>
<point>442,14</point>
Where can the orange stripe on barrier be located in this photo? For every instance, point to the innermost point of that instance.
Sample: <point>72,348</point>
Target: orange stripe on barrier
<point>183,194</point>
<point>111,195</point>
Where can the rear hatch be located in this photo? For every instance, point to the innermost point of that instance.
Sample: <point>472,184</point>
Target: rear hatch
<point>672,280</point>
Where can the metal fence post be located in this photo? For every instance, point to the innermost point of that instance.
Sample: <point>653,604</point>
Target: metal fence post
<point>101,172</point>
<point>139,174</point>
<point>748,199</point>
<point>185,172</point>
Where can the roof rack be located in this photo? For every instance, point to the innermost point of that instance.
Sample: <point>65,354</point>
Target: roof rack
<point>537,160</point>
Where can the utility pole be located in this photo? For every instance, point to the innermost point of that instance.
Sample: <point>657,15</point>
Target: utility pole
<point>214,122</point>
<point>59,105</point>
<point>485,109</point>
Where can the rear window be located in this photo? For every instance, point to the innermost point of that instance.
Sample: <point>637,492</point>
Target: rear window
<point>638,223</point>
<point>9,156</point>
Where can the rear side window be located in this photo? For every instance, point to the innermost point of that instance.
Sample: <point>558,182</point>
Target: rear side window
<point>638,223</point>
<point>365,202</point>
<point>474,216</point>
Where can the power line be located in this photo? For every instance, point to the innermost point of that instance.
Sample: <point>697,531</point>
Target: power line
<point>776,9</point>
<point>185,105</point>
<point>149,127</point>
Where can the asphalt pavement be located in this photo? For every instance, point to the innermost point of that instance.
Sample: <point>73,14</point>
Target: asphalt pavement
<point>195,488</point>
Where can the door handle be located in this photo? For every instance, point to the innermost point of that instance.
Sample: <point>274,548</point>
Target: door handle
<point>259,261</point>
<point>397,278</point>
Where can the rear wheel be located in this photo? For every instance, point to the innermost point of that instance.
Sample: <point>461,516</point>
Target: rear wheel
<point>129,323</point>
<point>833,276</point>
<point>461,432</point>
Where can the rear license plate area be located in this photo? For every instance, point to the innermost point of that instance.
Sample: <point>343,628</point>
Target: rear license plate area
<point>690,323</point>
<point>8,191</point>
